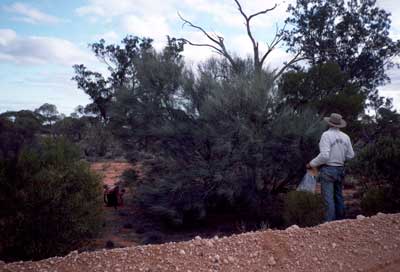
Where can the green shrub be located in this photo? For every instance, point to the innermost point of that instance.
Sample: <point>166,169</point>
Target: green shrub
<point>303,209</point>
<point>235,157</point>
<point>380,160</point>
<point>50,201</point>
<point>378,165</point>
<point>380,199</point>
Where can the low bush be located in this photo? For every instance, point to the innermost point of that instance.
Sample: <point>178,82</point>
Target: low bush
<point>379,199</point>
<point>50,201</point>
<point>378,165</point>
<point>303,209</point>
<point>153,237</point>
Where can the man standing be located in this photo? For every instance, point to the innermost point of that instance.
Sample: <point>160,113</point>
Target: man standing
<point>335,148</point>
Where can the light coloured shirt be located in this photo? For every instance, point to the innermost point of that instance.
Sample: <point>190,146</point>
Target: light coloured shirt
<point>334,149</point>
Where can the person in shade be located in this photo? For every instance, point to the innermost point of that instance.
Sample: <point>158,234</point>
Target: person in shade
<point>335,149</point>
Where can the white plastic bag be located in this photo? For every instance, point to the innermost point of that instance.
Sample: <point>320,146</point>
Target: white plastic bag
<point>307,184</point>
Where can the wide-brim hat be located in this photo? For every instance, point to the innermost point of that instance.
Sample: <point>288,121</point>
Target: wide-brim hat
<point>335,120</point>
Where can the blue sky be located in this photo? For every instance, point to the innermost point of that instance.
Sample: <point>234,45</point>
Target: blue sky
<point>40,40</point>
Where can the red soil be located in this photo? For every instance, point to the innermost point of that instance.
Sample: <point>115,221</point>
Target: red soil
<point>367,244</point>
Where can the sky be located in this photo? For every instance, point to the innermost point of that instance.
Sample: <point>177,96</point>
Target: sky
<point>40,40</point>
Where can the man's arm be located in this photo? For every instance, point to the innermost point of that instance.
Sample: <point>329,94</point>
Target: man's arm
<point>324,150</point>
<point>349,151</point>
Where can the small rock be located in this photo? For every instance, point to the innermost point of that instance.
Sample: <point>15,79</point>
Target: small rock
<point>216,258</point>
<point>293,227</point>
<point>231,259</point>
<point>380,214</point>
<point>197,238</point>
<point>252,255</point>
<point>360,217</point>
<point>182,252</point>
<point>271,261</point>
<point>334,245</point>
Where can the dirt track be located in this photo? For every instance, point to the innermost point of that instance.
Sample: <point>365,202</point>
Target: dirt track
<point>367,244</point>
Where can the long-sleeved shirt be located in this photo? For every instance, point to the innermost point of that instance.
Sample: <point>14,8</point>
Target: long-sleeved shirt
<point>334,149</point>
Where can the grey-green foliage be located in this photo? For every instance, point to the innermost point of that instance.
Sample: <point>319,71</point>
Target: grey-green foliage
<point>50,201</point>
<point>232,151</point>
<point>214,138</point>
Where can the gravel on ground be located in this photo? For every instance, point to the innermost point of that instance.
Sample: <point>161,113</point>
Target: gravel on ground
<point>363,244</point>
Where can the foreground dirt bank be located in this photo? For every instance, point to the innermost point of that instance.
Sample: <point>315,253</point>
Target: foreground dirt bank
<point>365,244</point>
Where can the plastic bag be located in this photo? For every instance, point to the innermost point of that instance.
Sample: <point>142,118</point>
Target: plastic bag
<point>307,184</point>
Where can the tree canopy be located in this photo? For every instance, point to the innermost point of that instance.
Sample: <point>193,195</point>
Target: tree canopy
<point>353,34</point>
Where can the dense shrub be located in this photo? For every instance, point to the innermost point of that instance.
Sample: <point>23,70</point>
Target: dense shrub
<point>378,166</point>
<point>303,209</point>
<point>49,201</point>
<point>215,139</point>
<point>234,156</point>
<point>376,200</point>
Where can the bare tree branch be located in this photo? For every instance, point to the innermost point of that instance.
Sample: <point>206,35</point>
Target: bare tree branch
<point>271,46</point>
<point>257,62</point>
<point>253,41</point>
<point>263,12</point>
<point>219,51</point>
<point>197,27</point>
<point>216,39</point>
<point>295,59</point>
<point>217,42</point>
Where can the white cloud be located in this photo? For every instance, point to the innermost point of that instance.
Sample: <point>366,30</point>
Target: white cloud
<point>7,35</point>
<point>222,13</point>
<point>195,54</point>
<point>30,14</point>
<point>40,50</point>
<point>155,27</point>
<point>106,8</point>
<point>226,12</point>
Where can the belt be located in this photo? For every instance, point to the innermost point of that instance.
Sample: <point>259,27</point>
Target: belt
<point>327,165</point>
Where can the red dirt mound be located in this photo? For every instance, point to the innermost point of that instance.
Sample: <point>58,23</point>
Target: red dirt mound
<point>366,244</point>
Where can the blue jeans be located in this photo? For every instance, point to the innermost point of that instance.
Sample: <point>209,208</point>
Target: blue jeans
<point>331,178</point>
